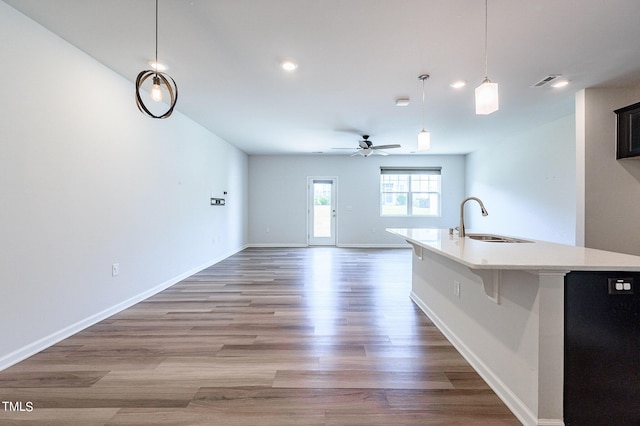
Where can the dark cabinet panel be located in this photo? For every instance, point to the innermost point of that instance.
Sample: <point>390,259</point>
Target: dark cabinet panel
<point>602,349</point>
<point>628,131</point>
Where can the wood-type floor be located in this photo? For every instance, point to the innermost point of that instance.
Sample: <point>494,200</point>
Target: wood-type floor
<point>309,336</point>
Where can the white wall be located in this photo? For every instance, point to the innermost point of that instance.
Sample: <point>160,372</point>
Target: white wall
<point>612,187</point>
<point>278,197</point>
<point>87,181</point>
<point>516,344</point>
<point>527,183</point>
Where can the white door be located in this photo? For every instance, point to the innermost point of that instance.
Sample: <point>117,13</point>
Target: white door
<point>322,212</point>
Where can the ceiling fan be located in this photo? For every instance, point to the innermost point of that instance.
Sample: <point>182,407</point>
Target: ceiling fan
<point>366,147</point>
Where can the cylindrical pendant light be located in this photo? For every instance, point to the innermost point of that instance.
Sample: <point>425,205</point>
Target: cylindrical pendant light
<point>424,138</point>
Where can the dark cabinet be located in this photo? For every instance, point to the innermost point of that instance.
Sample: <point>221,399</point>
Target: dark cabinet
<point>628,131</point>
<point>602,349</point>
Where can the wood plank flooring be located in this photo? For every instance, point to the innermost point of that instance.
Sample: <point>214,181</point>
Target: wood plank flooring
<point>315,336</point>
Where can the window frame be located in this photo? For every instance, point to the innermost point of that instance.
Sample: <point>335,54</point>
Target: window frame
<point>409,193</point>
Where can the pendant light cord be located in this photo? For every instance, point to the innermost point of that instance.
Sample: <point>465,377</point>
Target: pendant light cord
<point>423,104</point>
<point>423,77</point>
<point>486,25</point>
<point>156,36</point>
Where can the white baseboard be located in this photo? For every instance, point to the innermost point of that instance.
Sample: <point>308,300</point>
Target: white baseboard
<point>276,245</point>
<point>50,340</point>
<point>550,422</point>
<point>286,245</point>
<point>381,246</point>
<point>511,400</point>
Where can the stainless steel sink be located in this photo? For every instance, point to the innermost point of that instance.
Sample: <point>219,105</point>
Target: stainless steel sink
<point>496,238</point>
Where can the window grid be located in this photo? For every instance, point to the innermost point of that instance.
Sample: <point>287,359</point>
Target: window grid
<point>410,194</point>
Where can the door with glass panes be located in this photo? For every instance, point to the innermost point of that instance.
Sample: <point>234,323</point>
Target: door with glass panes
<point>322,211</point>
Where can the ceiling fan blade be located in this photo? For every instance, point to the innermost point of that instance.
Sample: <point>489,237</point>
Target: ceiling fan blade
<point>355,153</point>
<point>351,149</point>
<point>385,146</point>
<point>363,144</point>
<point>350,130</point>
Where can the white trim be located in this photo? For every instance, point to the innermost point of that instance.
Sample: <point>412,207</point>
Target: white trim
<point>515,404</point>
<point>550,422</point>
<point>403,246</point>
<point>581,138</point>
<point>50,340</point>
<point>276,245</point>
<point>294,245</point>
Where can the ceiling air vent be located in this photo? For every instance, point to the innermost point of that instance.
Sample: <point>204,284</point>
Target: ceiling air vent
<point>548,79</point>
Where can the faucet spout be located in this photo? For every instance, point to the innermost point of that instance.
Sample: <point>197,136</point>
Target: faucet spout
<point>461,231</point>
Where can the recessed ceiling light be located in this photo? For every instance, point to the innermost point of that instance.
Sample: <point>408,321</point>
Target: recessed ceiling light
<point>560,83</point>
<point>401,102</point>
<point>158,66</point>
<point>458,84</point>
<point>289,65</point>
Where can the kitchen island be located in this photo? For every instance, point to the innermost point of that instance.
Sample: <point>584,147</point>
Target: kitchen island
<point>502,305</point>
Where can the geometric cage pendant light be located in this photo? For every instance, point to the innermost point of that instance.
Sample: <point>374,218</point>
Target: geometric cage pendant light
<point>160,81</point>
<point>487,92</point>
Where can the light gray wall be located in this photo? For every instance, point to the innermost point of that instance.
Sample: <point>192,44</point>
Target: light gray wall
<point>527,183</point>
<point>87,181</point>
<point>278,197</point>
<point>611,187</point>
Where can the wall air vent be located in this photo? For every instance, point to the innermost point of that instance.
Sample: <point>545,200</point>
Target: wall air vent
<point>548,79</point>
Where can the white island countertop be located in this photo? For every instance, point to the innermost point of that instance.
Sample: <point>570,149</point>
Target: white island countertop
<point>532,255</point>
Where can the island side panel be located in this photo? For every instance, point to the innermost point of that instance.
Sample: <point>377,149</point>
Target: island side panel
<point>551,346</point>
<point>501,341</point>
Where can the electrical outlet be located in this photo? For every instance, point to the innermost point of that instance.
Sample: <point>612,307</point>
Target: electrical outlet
<point>115,269</point>
<point>456,289</point>
<point>620,285</point>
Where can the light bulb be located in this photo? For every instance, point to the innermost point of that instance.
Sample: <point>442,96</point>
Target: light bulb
<point>156,90</point>
<point>424,141</point>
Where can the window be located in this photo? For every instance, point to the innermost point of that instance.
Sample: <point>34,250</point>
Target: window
<point>410,191</point>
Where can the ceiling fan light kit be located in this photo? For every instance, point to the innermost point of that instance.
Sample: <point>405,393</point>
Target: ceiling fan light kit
<point>367,148</point>
<point>160,82</point>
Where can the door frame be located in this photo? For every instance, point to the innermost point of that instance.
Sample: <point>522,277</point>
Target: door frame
<point>334,199</point>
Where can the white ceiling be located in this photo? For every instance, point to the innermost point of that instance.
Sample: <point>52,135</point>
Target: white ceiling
<point>356,57</point>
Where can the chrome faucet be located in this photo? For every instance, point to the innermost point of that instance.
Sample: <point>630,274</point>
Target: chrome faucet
<point>461,231</point>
